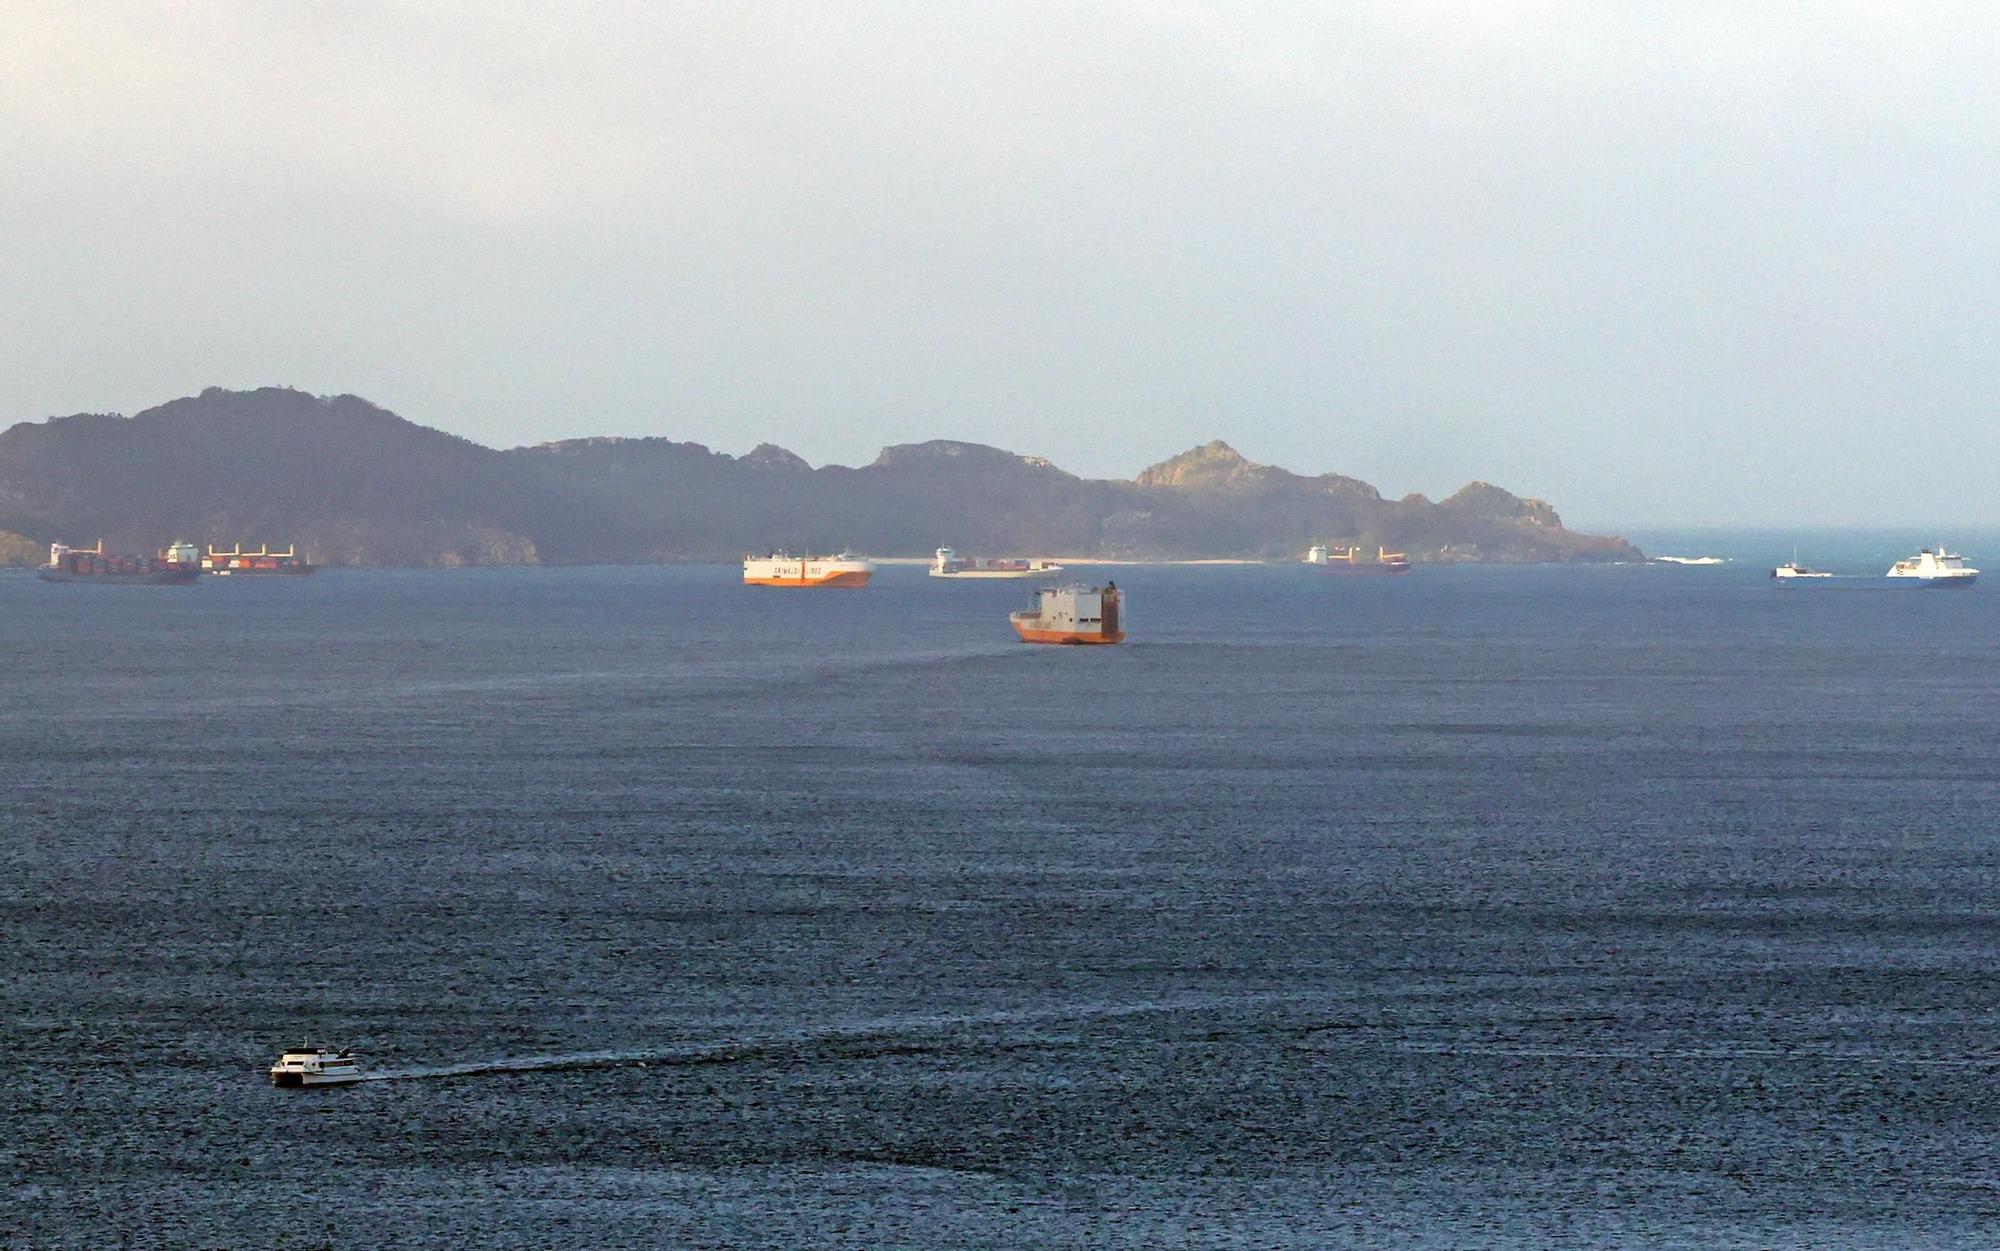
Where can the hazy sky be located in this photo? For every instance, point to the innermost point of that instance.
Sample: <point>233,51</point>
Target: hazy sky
<point>1658,262</point>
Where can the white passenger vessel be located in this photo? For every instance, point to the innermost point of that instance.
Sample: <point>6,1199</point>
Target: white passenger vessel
<point>1935,569</point>
<point>308,1065</point>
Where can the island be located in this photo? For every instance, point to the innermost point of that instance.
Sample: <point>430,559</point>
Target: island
<point>354,484</point>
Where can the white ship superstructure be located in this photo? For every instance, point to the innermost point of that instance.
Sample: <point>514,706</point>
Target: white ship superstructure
<point>1938,568</point>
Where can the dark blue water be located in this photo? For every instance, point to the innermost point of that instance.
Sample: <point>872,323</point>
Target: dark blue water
<point>1557,907</point>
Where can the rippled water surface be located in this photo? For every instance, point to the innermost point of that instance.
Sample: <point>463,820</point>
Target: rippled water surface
<point>1483,907</point>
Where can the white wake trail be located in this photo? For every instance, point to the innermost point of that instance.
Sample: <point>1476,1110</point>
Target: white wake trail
<point>906,1034</point>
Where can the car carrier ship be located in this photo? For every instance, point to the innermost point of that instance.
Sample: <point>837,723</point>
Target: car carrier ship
<point>175,565</point>
<point>782,569</point>
<point>1073,614</point>
<point>1349,560</point>
<point>262,561</point>
<point>950,565</point>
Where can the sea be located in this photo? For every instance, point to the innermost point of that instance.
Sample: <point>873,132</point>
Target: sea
<point>1511,907</point>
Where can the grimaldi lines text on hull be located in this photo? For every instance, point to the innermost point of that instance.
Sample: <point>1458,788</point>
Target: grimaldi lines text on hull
<point>783,569</point>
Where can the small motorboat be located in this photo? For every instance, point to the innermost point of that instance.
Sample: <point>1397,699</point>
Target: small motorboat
<point>308,1065</point>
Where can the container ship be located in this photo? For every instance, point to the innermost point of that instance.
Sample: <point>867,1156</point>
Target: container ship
<point>1072,614</point>
<point>176,564</point>
<point>262,561</point>
<point>780,569</point>
<point>949,565</point>
<point>1350,560</point>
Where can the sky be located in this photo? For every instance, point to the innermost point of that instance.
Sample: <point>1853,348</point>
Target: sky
<point>1659,263</point>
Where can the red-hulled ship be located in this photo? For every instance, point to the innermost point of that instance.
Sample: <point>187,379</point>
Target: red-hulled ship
<point>1350,560</point>
<point>262,561</point>
<point>175,565</point>
<point>1072,614</point>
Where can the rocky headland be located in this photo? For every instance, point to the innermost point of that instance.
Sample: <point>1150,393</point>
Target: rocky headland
<point>357,485</point>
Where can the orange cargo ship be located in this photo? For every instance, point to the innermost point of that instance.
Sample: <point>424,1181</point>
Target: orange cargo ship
<point>780,569</point>
<point>1072,614</point>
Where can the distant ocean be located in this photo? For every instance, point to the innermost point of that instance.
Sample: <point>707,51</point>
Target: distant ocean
<point>1860,552</point>
<point>1536,907</point>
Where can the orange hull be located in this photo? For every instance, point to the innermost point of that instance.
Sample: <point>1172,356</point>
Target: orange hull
<point>832,579</point>
<point>1030,634</point>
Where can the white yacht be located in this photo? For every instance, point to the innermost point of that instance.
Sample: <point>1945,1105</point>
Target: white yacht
<point>1935,569</point>
<point>308,1065</point>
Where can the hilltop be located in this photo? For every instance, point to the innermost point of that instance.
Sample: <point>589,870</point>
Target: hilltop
<point>356,484</point>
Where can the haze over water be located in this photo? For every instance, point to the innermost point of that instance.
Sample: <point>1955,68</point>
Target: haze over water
<point>1519,907</point>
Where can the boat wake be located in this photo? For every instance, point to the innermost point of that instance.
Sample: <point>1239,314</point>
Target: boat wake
<point>883,1037</point>
<point>573,1062</point>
